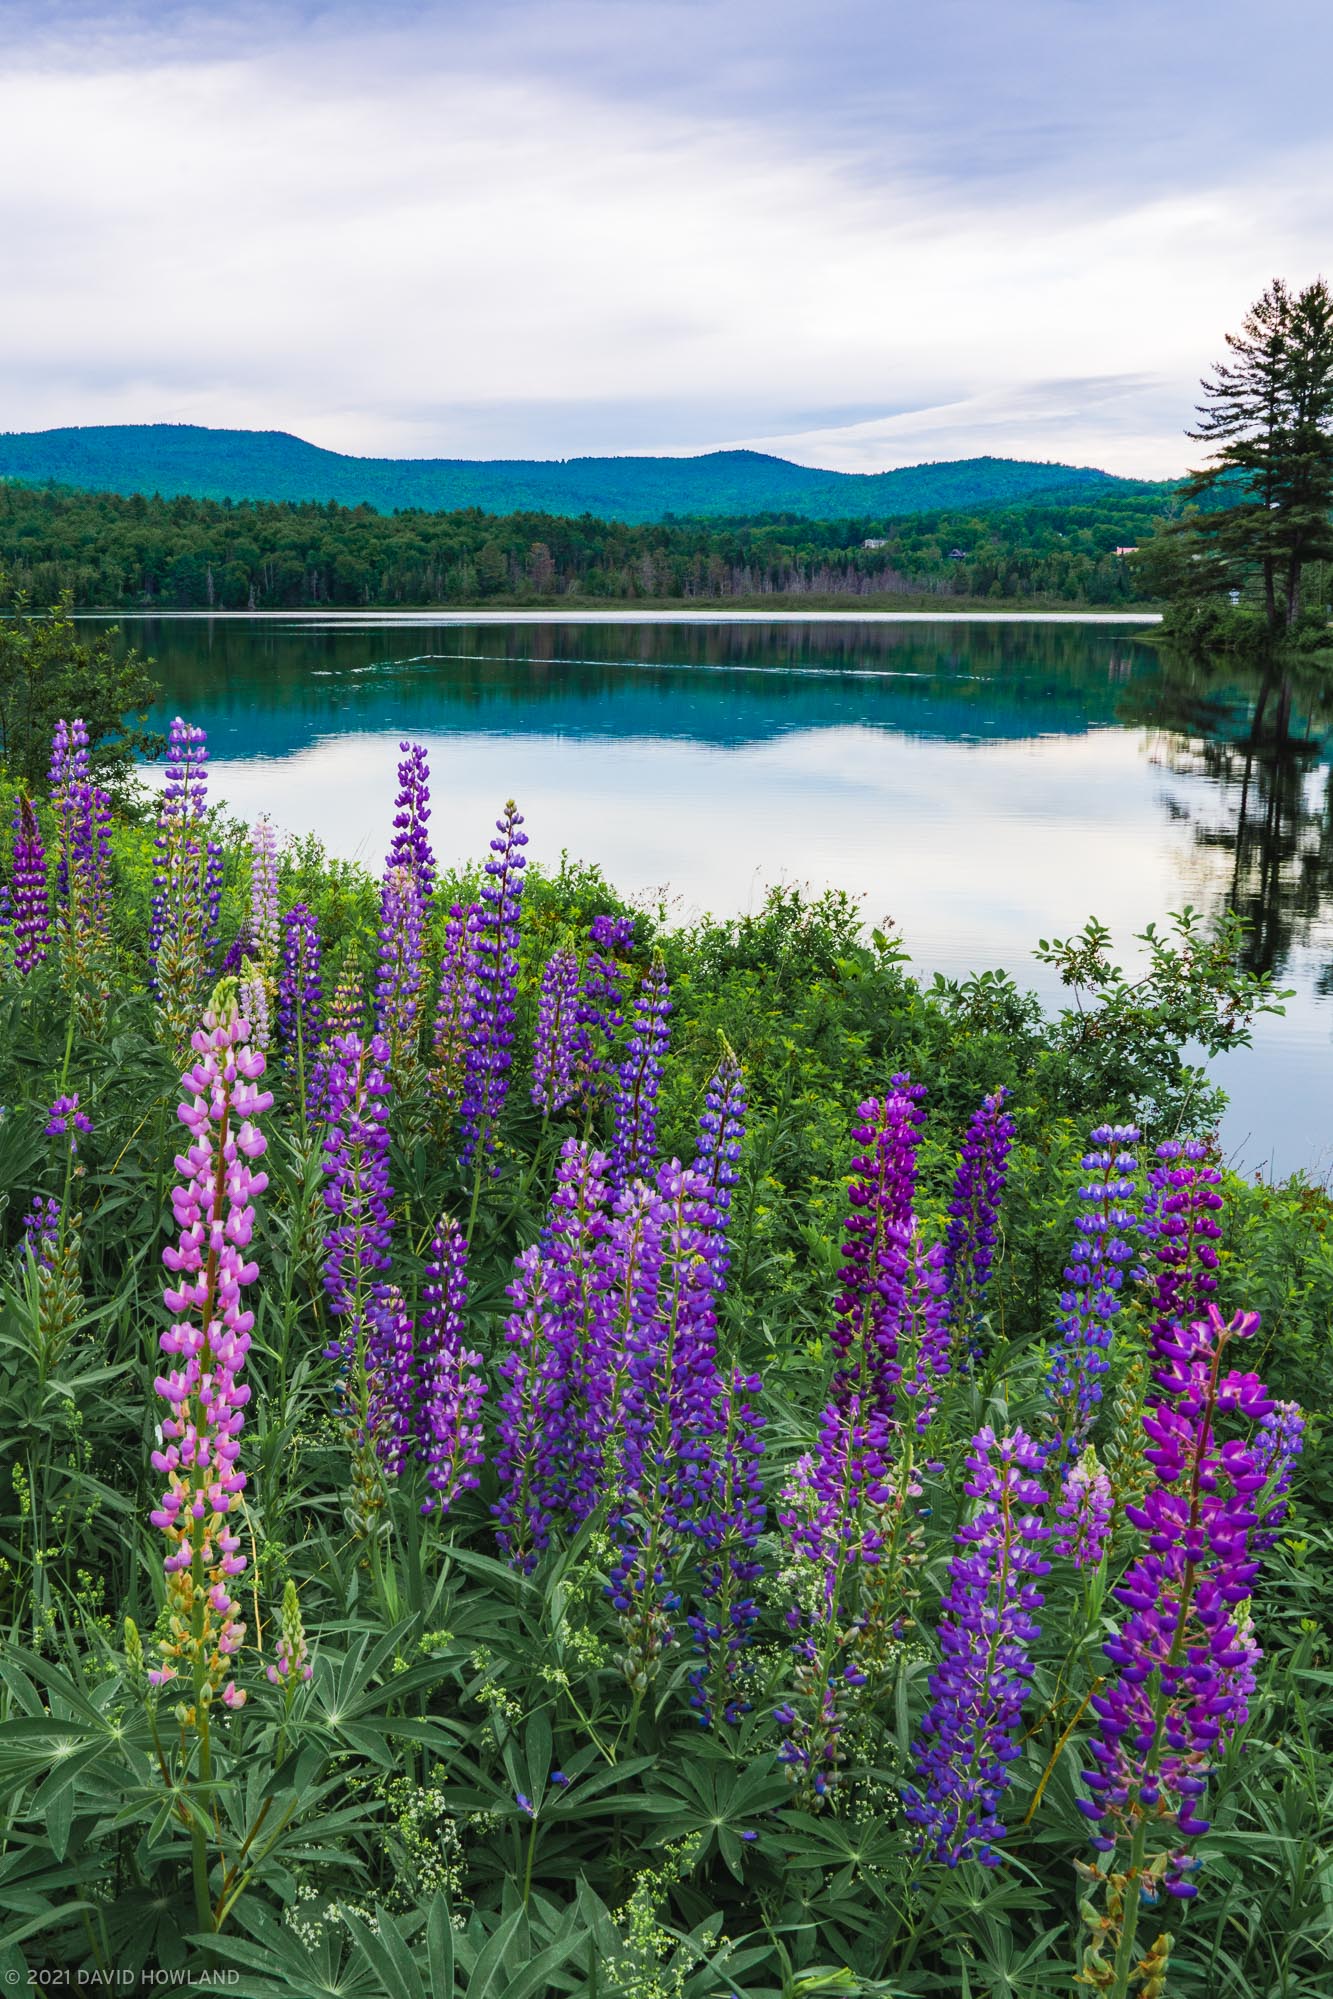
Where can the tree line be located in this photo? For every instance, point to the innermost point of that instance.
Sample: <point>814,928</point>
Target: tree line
<point>117,552</point>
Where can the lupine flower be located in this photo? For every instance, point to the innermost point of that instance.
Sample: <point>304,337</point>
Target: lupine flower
<point>293,1653</point>
<point>65,1119</point>
<point>347,1012</point>
<point>599,1010</point>
<point>634,1145</point>
<point>553,1051</point>
<point>83,871</point>
<point>925,1340</point>
<point>449,1384</point>
<point>555,1413</point>
<point>411,843</point>
<point>356,1189</point>
<point>30,913</point>
<point>493,990</point>
<point>1183,1661</point>
<point>387,1355</point>
<point>727,1522</point>
<point>187,881</point>
<point>241,947</point>
<point>264,889</point>
<point>974,1209</point>
<point>718,1151</point>
<point>449,1042</point>
<point>206,1348</point>
<point>41,1230</point>
<point>401,964</point>
<point>301,987</point>
<point>1277,1444</point>
<point>1100,1260</point>
<point>876,1247</point>
<point>970,1734</point>
<point>1083,1513</point>
<point>1180,1219</point>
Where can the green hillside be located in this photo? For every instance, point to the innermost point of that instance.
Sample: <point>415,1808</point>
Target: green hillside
<point>185,459</point>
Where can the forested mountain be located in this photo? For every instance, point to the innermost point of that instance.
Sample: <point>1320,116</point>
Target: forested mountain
<point>180,554</point>
<point>173,459</point>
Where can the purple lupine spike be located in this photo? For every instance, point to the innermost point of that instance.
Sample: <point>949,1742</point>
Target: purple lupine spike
<point>449,1384</point>
<point>41,1231</point>
<point>206,1348</point>
<point>390,1383</point>
<point>30,911</point>
<point>926,1336</point>
<point>727,1525</point>
<point>876,1247</point>
<point>401,964</point>
<point>449,1040</point>
<point>493,990</point>
<point>634,1144</point>
<point>555,1415</point>
<point>1183,1660</point>
<point>1277,1444</point>
<point>411,843</point>
<point>187,880</point>
<point>241,947</point>
<point>718,1151</point>
<point>357,1194</point>
<point>301,986</point>
<point>974,1208</point>
<point>1083,1513</point>
<point>1180,1218</point>
<point>66,1120</point>
<point>553,1052</point>
<point>970,1734</point>
<point>599,1010</point>
<point>83,872</point>
<point>1100,1260</point>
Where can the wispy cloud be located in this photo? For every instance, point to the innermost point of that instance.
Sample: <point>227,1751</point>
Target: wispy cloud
<point>860,234</point>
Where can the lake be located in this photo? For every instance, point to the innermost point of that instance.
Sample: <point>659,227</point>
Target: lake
<point>980,783</point>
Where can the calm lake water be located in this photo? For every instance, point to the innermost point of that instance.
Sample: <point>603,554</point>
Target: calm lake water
<point>981,784</point>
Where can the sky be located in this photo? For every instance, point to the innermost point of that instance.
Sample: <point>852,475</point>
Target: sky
<point>859,234</point>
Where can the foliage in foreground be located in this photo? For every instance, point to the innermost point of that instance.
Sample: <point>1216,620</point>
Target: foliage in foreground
<point>725,1596</point>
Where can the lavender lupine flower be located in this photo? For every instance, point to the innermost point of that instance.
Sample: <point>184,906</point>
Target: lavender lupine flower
<point>30,909</point>
<point>493,990</point>
<point>1083,1513</point>
<point>449,1041</point>
<point>974,1208</point>
<point>718,1151</point>
<point>401,964</point>
<point>411,843</point>
<point>83,871</point>
<point>970,1734</point>
<point>1100,1260</point>
<point>1183,1661</point>
<point>553,1052</point>
<point>264,888</point>
<point>600,1009</point>
<point>301,986</point>
<point>876,1247</point>
<point>1180,1218</point>
<point>555,1409</point>
<point>187,881</point>
<point>449,1384</point>
<point>727,1523</point>
<point>206,1347</point>
<point>634,1144</point>
<point>65,1119</point>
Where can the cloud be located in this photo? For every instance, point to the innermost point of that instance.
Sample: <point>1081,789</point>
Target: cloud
<point>874,234</point>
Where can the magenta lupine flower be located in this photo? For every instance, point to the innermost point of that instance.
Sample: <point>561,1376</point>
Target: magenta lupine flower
<point>876,1247</point>
<point>301,986</point>
<point>553,1050</point>
<point>1101,1258</point>
<point>411,843</point>
<point>970,1734</point>
<point>727,1522</point>
<point>30,908</point>
<point>401,965</point>
<point>187,879</point>
<point>555,1410</point>
<point>718,1151</point>
<point>449,1384</point>
<point>634,1143</point>
<point>493,990</point>
<point>599,1010</point>
<point>357,1194</point>
<point>83,871</point>
<point>974,1209</point>
<point>449,1040</point>
<point>206,1348</point>
<point>1180,1218</point>
<point>65,1119</point>
<point>1183,1660</point>
<point>1083,1513</point>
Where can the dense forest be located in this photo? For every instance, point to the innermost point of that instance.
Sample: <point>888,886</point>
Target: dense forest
<point>187,459</point>
<point>121,552</point>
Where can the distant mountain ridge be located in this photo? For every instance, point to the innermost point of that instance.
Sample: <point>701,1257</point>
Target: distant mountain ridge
<point>188,459</point>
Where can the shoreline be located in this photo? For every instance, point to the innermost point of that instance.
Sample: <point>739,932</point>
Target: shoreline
<point>631,615</point>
